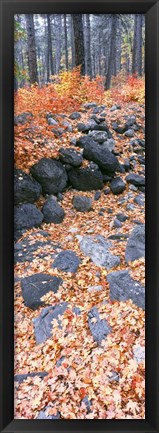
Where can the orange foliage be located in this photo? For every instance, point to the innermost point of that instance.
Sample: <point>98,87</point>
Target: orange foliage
<point>126,88</point>
<point>66,93</point>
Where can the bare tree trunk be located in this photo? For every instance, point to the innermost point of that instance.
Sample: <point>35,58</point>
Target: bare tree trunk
<point>58,30</point>
<point>72,43</point>
<point>137,45</point>
<point>112,50</point>
<point>50,57</point>
<point>32,63</point>
<point>88,45</point>
<point>118,48</point>
<point>66,43</point>
<point>79,41</point>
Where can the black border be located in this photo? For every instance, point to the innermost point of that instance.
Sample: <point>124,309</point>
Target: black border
<point>151,10</point>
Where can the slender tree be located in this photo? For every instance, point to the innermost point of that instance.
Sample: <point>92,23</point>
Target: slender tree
<point>32,63</point>
<point>50,56</point>
<point>72,43</point>
<point>88,45</point>
<point>112,50</point>
<point>137,45</point>
<point>79,42</point>
<point>66,42</point>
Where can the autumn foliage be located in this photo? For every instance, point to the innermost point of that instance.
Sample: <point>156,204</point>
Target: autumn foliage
<point>69,90</point>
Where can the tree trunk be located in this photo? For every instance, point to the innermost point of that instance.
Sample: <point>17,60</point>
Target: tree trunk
<point>72,43</point>
<point>112,50</point>
<point>58,31</point>
<point>50,57</point>
<point>66,43</point>
<point>88,45</point>
<point>32,63</point>
<point>79,42</point>
<point>137,45</point>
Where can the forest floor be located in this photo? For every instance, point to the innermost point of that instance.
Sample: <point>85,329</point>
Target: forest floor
<point>90,381</point>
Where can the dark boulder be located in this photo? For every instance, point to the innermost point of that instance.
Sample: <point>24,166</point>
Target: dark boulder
<point>102,127</point>
<point>101,156</point>
<point>43,326</point>
<point>26,189</point>
<point>26,216</point>
<point>84,140</point>
<point>75,115</point>
<point>136,179</point>
<point>51,174</point>
<point>70,156</point>
<point>123,288</point>
<point>136,244</point>
<point>99,328</point>
<point>117,185</point>
<point>53,212</point>
<point>36,286</point>
<point>67,261</point>
<point>86,178</point>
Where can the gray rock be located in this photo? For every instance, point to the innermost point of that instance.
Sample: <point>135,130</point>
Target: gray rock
<point>126,164</point>
<point>43,326</point>
<point>36,286</point>
<point>132,188</point>
<point>129,133</point>
<point>67,125</point>
<point>130,206</point>
<point>117,223</point>
<point>117,185</point>
<point>30,248</point>
<point>26,216</point>
<point>122,217</point>
<point>89,105</point>
<point>75,115</point>
<point>97,195</point>
<point>82,127</point>
<point>52,121</point>
<point>86,178</point>
<point>123,287</point>
<point>130,121</point>
<point>51,174</point>
<point>58,132</point>
<point>100,329</point>
<point>53,212</point>
<point>67,261</point>
<point>23,118</point>
<point>136,244</point>
<point>140,200</point>
<point>82,204</point>
<point>97,248</point>
<point>139,354</point>
<point>136,179</point>
<point>101,156</point>
<point>70,156</point>
<point>99,136</point>
<point>26,189</point>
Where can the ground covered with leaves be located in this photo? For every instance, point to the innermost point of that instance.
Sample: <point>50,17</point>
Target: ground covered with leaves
<point>72,374</point>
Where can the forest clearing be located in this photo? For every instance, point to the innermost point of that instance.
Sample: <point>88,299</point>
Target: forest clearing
<point>79,222</point>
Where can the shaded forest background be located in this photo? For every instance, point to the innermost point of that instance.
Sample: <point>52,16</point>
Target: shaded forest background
<point>100,45</point>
